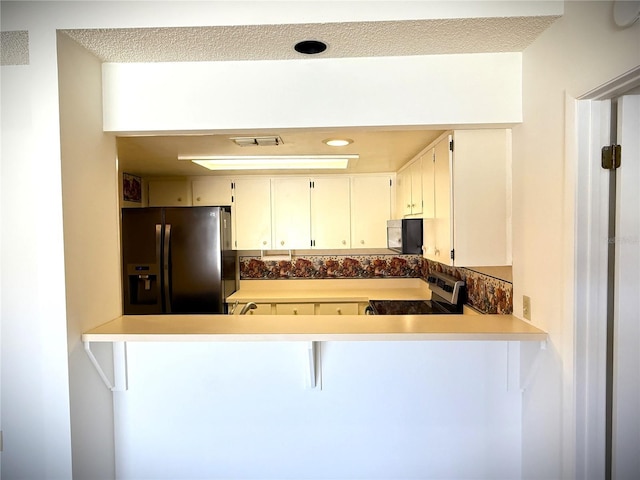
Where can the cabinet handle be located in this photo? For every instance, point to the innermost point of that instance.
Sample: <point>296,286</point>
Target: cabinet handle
<point>362,242</point>
<point>339,310</point>
<point>408,206</point>
<point>295,311</point>
<point>282,242</point>
<point>197,199</point>
<point>179,199</point>
<point>264,242</point>
<point>344,242</point>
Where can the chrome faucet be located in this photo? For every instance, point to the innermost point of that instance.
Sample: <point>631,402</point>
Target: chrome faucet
<point>248,306</point>
<point>233,309</point>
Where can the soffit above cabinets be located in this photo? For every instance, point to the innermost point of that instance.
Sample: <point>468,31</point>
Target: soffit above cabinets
<point>379,150</point>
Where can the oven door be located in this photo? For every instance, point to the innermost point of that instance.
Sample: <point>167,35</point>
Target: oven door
<point>401,307</point>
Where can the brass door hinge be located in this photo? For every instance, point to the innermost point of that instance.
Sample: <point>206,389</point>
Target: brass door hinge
<point>611,156</point>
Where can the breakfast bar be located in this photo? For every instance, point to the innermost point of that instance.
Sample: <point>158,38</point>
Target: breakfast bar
<point>252,328</point>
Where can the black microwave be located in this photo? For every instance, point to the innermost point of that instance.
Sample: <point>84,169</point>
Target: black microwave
<point>405,235</point>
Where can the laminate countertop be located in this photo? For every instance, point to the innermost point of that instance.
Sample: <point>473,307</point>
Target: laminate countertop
<point>318,291</point>
<point>252,328</point>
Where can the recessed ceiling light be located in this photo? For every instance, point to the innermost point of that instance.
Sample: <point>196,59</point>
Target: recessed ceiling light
<point>310,47</point>
<point>338,142</point>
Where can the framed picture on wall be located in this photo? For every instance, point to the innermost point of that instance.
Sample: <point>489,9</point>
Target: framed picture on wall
<point>131,188</point>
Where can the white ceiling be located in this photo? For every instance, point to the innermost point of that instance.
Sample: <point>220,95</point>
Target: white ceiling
<point>379,150</point>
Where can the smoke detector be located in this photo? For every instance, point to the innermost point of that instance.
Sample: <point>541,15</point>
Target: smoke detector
<point>270,141</point>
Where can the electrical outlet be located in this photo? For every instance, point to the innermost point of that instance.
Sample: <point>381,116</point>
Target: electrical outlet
<point>526,307</point>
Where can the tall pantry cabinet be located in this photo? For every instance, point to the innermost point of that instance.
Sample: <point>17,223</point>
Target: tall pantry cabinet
<point>471,221</point>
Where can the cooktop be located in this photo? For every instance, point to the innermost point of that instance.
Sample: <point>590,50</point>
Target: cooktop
<point>447,297</point>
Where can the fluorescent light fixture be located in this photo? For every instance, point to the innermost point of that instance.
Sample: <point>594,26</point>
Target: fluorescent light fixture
<point>271,162</point>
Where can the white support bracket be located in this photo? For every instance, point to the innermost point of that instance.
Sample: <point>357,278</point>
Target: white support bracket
<point>120,370</point>
<point>315,365</point>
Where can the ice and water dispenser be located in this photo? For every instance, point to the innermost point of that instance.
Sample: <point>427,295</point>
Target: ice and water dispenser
<point>143,286</point>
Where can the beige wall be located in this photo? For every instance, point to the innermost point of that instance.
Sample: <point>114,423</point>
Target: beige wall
<point>91,251</point>
<point>579,52</point>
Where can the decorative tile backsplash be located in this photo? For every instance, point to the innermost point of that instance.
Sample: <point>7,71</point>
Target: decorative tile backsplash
<point>484,292</point>
<point>321,266</point>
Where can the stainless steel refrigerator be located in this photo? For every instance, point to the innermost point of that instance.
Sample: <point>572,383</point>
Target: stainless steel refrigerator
<point>177,260</point>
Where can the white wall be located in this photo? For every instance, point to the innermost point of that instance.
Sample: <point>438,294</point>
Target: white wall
<point>462,89</point>
<point>387,410</point>
<point>35,382</point>
<point>579,52</point>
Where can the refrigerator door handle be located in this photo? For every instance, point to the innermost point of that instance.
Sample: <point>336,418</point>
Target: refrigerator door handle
<point>167,243</point>
<point>159,261</point>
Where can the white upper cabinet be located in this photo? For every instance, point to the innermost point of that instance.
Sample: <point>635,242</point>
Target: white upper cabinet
<point>251,212</point>
<point>471,225</point>
<point>416,187</point>
<point>409,189</point>
<point>169,193</point>
<point>428,195</point>
<point>330,213</point>
<point>370,210</point>
<point>442,194</point>
<point>291,212</point>
<point>211,191</point>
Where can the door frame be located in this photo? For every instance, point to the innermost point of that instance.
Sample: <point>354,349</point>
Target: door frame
<point>588,128</point>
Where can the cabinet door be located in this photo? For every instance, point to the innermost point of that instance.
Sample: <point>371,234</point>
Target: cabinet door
<point>442,199</point>
<point>330,216</point>
<point>481,201</point>
<point>416,186</point>
<point>211,191</point>
<point>294,308</point>
<point>428,194</point>
<point>291,213</point>
<point>403,193</point>
<point>370,210</point>
<point>251,212</point>
<point>169,193</point>
<point>338,309</point>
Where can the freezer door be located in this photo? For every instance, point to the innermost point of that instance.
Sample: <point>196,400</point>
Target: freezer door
<point>193,238</point>
<point>141,260</point>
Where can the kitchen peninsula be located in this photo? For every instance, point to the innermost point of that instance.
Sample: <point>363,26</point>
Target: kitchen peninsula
<point>221,328</point>
<point>316,310</point>
<point>258,375</point>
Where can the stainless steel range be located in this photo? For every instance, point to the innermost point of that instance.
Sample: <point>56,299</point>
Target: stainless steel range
<point>448,294</point>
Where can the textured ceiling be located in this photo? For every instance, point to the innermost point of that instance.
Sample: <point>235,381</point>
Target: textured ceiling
<point>14,48</point>
<point>380,151</point>
<point>275,42</point>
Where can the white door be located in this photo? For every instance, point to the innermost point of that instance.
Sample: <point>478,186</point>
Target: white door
<point>370,210</point>
<point>291,212</point>
<point>416,186</point>
<point>251,212</point>
<point>443,205</point>
<point>211,191</point>
<point>330,213</point>
<point>626,381</point>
